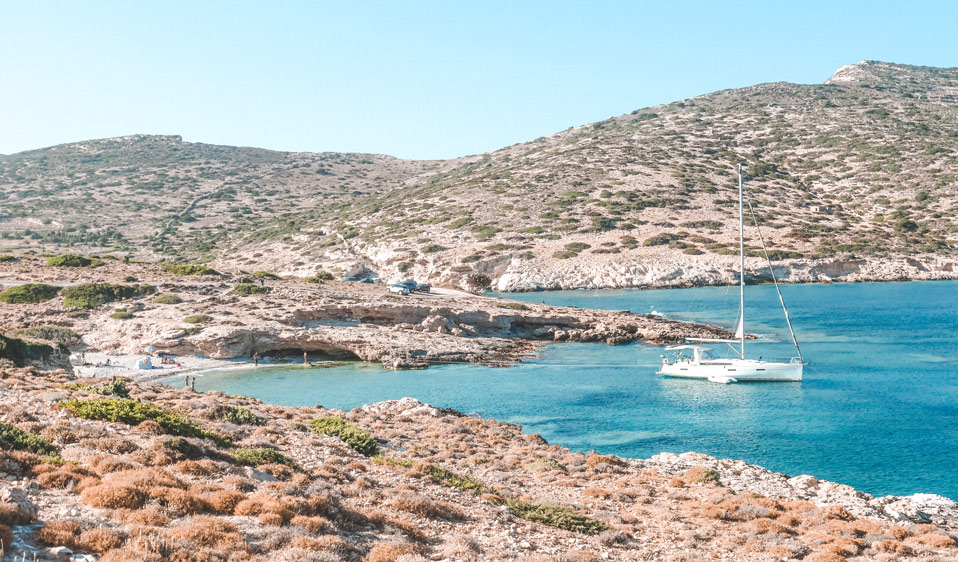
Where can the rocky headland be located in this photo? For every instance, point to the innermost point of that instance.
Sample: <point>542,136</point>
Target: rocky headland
<point>229,317</point>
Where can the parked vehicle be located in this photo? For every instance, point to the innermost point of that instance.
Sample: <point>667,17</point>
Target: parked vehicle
<point>398,289</point>
<point>409,284</point>
<point>423,287</point>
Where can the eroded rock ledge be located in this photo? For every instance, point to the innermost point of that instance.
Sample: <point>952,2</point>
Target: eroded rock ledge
<point>332,320</point>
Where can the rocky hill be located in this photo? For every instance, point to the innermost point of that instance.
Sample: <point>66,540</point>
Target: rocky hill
<point>856,178</point>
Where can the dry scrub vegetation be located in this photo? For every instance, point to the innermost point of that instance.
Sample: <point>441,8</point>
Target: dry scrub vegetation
<point>449,487</point>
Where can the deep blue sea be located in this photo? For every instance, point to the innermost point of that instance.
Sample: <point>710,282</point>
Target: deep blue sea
<point>878,408</point>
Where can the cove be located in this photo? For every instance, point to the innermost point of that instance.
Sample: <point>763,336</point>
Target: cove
<point>877,409</point>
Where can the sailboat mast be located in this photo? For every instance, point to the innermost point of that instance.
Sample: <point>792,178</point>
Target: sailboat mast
<point>741,239</point>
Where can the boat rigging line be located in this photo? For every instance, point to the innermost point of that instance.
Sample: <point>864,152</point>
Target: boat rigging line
<point>774,280</point>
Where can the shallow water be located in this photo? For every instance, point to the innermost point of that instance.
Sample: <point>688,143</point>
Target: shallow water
<point>878,408</point>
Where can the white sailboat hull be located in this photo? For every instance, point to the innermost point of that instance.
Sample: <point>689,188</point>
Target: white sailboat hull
<point>738,370</point>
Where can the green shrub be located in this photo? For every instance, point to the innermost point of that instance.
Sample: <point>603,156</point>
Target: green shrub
<point>92,295</point>
<point>555,516</point>
<point>403,267</point>
<point>132,412</point>
<point>433,248</point>
<point>450,478</point>
<point>19,351</point>
<point>480,281</point>
<point>72,260</point>
<point>114,387</point>
<point>324,276</point>
<point>167,299</point>
<point>57,334</point>
<point>29,293</point>
<point>187,269</point>
<point>246,289</point>
<point>15,439</point>
<point>197,319</point>
<point>122,315</point>
<point>659,240</point>
<point>265,275</point>
<point>256,457</point>
<point>515,306</point>
<point>360,440</point>
<point>6,258</point>
<point>242,416</point>
<point>183,446</point>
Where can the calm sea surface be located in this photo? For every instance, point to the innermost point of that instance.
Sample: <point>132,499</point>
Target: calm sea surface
<point>878,408</point>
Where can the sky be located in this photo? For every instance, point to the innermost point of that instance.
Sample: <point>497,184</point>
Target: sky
<point>424,80</point>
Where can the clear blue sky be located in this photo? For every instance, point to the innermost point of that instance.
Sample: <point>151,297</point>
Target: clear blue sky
<point>415,79</point>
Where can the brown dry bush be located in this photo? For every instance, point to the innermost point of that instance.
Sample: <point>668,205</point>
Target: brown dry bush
<point>224,502</point>
<point>63,476</point>
<point>177,502</point>
<point>262,503</point>
<point>827,557</point>
<point>270,519</point>
<point>204,467</point>
<point>424,507</point>
<point>145,478</point>
<point>113,496</point>
<point>11,514</point>
<point>314,524</point>
<point>100,540</point>
<point>595,492</point>
<point>59,533</point>
<point>893,547</point>
<point>279,471</point>
<point>207,532</point>
<point>838,512</point>
<point>765,525</point>
<point>240,483</point>
<point>148,517</point>
<point>325,543</point>
<point>409,529</point>
<point>6,536</point>
<point>388,551</point>
<point>899,532</point>
<point>595,460</point>
<point>937,540</point>
<point>105,464</point>
<point>115,445</point>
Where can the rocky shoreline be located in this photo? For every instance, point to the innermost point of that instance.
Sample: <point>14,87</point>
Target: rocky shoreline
<point>207,317</point>
<point>232,478</point>
<point>674,271</point>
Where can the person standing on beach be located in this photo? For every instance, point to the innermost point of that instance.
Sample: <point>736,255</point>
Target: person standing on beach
<point>187,381</point>
<point>305,361</point>
<point>256,359</point>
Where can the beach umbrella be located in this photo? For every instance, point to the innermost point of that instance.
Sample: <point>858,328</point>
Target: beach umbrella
<point>149,349</point>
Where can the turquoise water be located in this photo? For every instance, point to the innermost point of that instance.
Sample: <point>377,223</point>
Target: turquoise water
<point>878,408</point>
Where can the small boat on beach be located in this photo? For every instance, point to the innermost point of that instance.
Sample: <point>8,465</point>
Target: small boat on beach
<point>695,361</point>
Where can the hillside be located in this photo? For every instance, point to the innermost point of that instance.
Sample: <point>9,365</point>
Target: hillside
<point>856,178</point>
<point>110,470</point>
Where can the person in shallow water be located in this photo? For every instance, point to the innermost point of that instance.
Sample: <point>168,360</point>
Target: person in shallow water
<point>256,359</point>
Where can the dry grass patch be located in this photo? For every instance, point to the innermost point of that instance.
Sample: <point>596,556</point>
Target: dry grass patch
<point>100,540</point>
<point>389,551</point>
<point>424,507</point>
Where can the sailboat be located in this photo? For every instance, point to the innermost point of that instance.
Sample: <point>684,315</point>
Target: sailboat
<point>695,361</point>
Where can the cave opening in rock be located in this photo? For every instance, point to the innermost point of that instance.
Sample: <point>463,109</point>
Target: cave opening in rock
<point>312,355</point>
